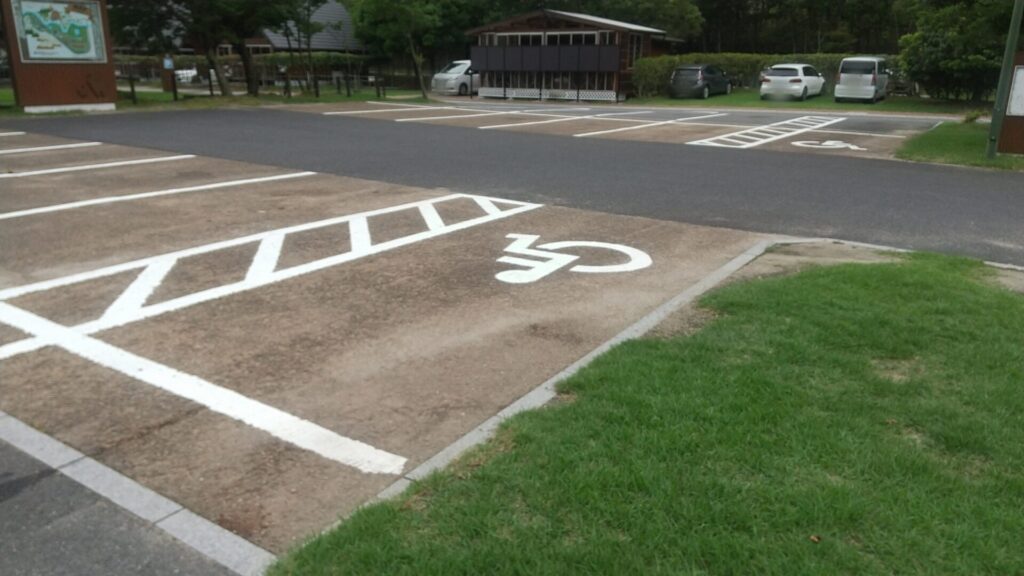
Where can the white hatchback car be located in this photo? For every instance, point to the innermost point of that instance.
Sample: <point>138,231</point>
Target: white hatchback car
<point>792,80</point>
<point>456,78</point>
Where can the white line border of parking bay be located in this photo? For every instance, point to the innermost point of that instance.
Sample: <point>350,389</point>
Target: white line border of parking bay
<point>49,148</point>
<point>96,166</point>
<point>144,195</point>
<point>651,125</point>
<point>2,134</point>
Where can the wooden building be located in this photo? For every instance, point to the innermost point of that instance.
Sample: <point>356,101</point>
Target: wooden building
<point>555,55</point>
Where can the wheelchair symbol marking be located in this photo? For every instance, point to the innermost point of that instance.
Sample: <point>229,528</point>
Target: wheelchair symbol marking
<point>829,145</point>
<point>546,259</point>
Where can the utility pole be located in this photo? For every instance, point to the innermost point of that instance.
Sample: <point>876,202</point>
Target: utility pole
<point>1005,77</point>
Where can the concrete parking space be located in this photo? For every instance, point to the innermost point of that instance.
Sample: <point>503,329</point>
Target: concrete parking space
<point>275,353</point>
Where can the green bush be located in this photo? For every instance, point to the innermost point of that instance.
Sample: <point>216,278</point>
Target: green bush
<point>651,75</point>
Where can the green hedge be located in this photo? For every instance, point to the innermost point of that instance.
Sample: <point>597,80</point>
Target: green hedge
<point>651,75</point>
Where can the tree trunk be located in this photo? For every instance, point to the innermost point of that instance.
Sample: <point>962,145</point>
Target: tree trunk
<point>252,83</point>
<point>417,61</point>
<point>222,81</point>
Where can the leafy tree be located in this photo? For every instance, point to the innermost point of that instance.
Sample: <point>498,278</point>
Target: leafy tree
<point>956,50</point>
<point>394,27</point>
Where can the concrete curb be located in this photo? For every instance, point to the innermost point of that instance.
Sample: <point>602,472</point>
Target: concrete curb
<point>219,545</point>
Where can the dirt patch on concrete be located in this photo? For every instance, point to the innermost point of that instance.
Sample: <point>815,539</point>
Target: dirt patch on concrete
<point>1012,279</point>
<point>779,261</point>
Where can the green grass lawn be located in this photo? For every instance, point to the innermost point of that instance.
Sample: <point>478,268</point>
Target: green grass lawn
<point>861,419</point>
<point>963,144</point>
<point>749,98</point>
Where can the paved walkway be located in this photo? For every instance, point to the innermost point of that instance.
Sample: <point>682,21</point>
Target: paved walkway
<point>50,525</point>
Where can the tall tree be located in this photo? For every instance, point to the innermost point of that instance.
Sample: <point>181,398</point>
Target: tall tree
<point>395,27</point>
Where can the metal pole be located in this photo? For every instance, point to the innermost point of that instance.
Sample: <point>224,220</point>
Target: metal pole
<point>1003,92</point>
<point>131,84</point>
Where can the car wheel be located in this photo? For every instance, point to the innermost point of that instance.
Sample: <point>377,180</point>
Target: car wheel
<point>463,89</point>
<point>803,95</point>
<point>706,93</point>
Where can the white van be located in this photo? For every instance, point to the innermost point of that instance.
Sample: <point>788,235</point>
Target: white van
<point>862,78</point>
<point>456,78</point>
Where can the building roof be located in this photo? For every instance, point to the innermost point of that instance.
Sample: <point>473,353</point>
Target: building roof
<point>338,34</point>
<point>595,21</point>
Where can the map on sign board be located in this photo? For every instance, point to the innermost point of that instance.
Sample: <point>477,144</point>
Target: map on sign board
<point>60,30</point>
<point>1016,107</point>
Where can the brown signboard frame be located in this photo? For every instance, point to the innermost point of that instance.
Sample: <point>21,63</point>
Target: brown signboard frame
<point>1011,140</point>
<point>52,84</point>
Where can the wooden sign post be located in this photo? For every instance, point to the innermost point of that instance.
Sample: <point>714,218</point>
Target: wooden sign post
<point>59,52</point>
<point>1011,140</point>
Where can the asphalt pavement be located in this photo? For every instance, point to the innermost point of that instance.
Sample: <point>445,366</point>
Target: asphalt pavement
<point>52,525</point>
<point>919,206</point>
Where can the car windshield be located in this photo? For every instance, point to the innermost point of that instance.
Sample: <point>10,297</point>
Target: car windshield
<point>857,67</point>
<point>782,72</point>
<point>454,68</point>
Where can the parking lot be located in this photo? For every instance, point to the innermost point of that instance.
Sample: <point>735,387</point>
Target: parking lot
<point>272,347</point>
<point>822,133</point>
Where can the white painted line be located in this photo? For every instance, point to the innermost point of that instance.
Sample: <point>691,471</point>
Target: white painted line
<point>144,195</point>
<point>2,134</point>
<point>431,217</point>
<point>134,298</point>
<point>265,261</point>
<point>562,119</point>
<point>97,166</point>
<point>354,112</point>
<point>651,125</point>
<point>759,136</point>
<point>281,425</point>
<point>855,133</point>
<point>49,148</point>
<point>359,234</point>
<point>433,118</point>
<point>361,246</point>
<point>381,103</point>
<point>223,547</point>
<point>553,121</point>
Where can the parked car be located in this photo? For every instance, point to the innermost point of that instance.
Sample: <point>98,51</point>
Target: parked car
<point>187,75</point>
<point>793,80</point>
<point>699,81</point>
<point>456,78</point>
<point>862,78</point>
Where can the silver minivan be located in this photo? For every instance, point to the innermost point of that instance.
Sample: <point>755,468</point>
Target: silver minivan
<point>862,78</point>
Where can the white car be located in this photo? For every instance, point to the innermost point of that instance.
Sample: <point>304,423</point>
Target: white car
<point>792,80</point>
<point>186,75</point>
<point>455,79</point>
<point>862,78</point>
